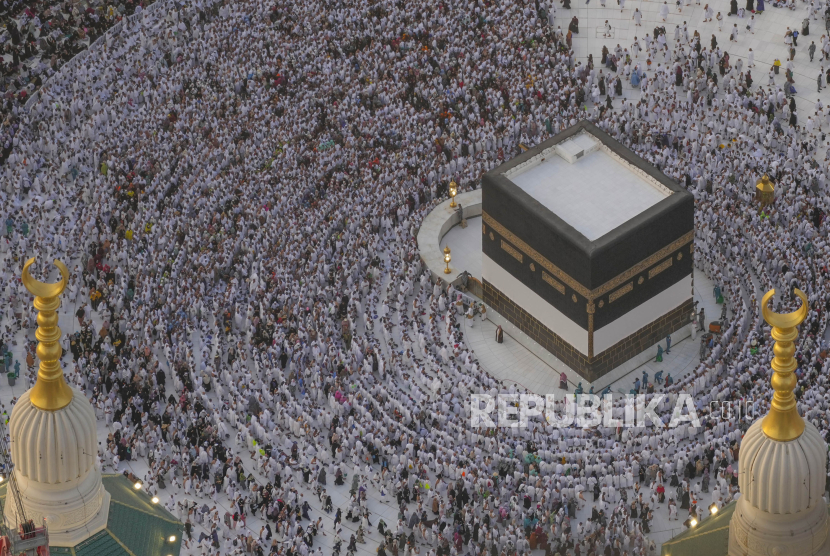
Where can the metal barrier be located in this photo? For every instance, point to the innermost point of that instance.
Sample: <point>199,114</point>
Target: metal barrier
<point>111,33</point>
<point>474,287</point>
<point>33,542</point>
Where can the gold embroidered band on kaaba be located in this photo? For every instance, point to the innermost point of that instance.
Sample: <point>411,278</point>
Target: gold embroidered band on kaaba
<point>512,250</point>
<point>615,295</point>
<point>660,268</point>
<point>558,286</point>
<point>611,284</point>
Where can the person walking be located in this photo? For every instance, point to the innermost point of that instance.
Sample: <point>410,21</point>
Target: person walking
<point>812,50</point>
<point>638,17</point>
<point>693,322</point>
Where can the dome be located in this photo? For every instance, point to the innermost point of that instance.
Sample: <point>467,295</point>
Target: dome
<point>781,511</point>
<point>782,477</point>
<point>55,455</point>
<point>53,447</point>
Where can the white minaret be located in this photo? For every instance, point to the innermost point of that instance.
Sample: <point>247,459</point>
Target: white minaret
<point>54,443</point>
<point>783,463</point>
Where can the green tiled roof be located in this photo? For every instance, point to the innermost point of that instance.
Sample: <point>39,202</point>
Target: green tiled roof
<point>709,538</point>
<point>139,526</point>
<point>101,543</point>
<point>135,526</point>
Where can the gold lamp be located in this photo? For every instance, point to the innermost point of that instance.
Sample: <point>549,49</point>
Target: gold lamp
<point>50,392</point>
<point>453,193</point>
<point>783,423</point>
<point>447,259</point>
<point>764,191</point>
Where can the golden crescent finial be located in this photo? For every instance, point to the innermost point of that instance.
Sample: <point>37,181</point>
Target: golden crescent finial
<point>783,422</point>
<point>788,320</point>
<point>40,289</point>
<point>50,392</point>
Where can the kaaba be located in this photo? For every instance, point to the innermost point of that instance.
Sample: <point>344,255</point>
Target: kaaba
<point>587,248</point>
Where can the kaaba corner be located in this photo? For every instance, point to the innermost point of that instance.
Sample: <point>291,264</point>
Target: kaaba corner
<point>587,249</point>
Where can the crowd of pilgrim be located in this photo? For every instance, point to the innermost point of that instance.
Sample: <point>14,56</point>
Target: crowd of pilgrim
<point>237,187</point>
<point>37,38</point>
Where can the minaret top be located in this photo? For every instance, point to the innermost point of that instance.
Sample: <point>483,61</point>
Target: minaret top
<point>782,470</point>
<point>783,423</point>
<point>50,392</point>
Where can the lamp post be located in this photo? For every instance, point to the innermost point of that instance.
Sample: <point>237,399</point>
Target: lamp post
<point>453,193</point>
<point>447,259</point>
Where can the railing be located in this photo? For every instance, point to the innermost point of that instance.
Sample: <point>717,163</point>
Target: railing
<point>32,542</point>
<point>112,32</point>
<point>475,287</point>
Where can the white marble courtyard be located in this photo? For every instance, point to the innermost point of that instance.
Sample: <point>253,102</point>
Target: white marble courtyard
<point>767,42</point>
